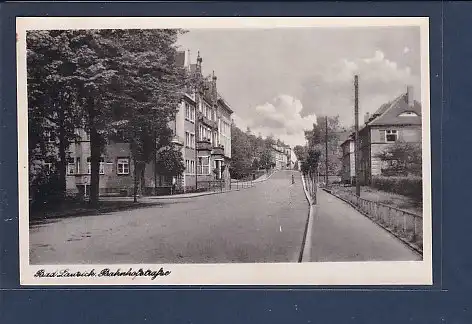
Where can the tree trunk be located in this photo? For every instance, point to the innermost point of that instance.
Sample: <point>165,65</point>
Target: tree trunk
<point>95,152</point>
<point>135,178</point>
<point>62,163</point>
<point>142,180</point>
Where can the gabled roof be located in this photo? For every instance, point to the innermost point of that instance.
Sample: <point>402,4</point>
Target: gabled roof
<point>396,112</point>
<point>389,114</point>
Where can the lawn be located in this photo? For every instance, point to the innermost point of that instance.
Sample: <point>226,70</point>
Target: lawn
<point>387,198</point>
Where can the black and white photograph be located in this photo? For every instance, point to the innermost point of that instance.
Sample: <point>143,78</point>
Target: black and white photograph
<point>224,151</point>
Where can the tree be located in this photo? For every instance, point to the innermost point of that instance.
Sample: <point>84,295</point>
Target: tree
<point>240,155</point>
<point>266,161</point>
<point>53,112</point>
<point>317,138</point>
<point>401,159</point>
<point>300,152</point>
<point>309,167</point>
<point>170,161</point>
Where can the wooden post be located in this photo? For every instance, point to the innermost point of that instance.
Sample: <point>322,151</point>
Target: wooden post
<point>357,147</point>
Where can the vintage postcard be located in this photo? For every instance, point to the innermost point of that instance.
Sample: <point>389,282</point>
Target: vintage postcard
<point>224,151</point>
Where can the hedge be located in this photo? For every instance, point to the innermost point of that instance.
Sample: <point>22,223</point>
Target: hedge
<point>411,186</point>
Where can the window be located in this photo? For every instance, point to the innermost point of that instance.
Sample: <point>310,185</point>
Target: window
<point>189,112</point>
<point>87,135</point>
<point>77,164</point>
<point>192,140</point>
<point>101,169</point>
<point>70,166</point>
<point>122,166</point>
<point>190,166</point>
<point>408,114</point>
<point>187,139</point>
<point>204,165</point>
<point>391,136</point>
<point>50,137</point>
<point>215,138</point>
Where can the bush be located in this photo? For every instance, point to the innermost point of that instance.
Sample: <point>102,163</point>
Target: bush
<point>407,186</point>
<point>44,190</point>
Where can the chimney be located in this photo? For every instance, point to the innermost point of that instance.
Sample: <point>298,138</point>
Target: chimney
<point>213,88</point>
<point>366,117</point>
<point>410,96</point>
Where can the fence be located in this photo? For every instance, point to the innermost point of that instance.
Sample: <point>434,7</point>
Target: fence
<point>311,185</point>
<point>403,224</point>
<point>236,185</point>
<point>211,185</point>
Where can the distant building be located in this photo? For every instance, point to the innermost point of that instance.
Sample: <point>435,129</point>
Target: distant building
<point>399,120</point>
<point>281,156</point>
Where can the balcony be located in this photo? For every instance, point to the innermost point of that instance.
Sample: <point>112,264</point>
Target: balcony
<point>206,121</point>
<point>218,150</point>
<point>204,145</point>
<point>176,140</point>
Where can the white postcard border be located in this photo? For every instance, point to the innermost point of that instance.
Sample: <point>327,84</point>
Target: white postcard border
<point>323,273</point>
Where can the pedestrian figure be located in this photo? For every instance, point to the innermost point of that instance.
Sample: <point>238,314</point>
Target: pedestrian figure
<point>293,179</point>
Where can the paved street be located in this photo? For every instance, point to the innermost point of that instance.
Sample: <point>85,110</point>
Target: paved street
<point>340,233</point>
<point>264,223</point>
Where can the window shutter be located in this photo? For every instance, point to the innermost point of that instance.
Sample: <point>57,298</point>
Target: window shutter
<point>382,136</point>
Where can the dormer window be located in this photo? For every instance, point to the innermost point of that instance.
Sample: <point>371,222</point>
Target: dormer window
<point>408,114</point>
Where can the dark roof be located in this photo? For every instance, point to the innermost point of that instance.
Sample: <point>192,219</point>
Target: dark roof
<point>389,114</point>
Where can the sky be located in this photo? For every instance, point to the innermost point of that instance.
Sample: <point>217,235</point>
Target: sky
<point>278,80</point>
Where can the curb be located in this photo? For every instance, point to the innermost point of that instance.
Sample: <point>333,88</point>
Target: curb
<point>412,246</point>
<point>213,192</point>
<point>305,253</point>
<point>198,195</point>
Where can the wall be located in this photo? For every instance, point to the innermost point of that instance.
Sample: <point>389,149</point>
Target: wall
<point>411,134</point>
<point>111,181</point>
<point>225,132</point>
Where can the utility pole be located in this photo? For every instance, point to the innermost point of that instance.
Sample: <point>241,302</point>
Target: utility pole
<point>326,151</point>
<point>357,147</point>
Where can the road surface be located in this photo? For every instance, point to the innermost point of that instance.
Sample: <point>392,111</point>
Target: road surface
<point>264,223</point>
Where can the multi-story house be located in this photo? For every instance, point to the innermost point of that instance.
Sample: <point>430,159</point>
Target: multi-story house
<point>279,156</point>
<point>348,171</point>
<point>396,121</point>
<point>288,152</point>
<point>202,131</point>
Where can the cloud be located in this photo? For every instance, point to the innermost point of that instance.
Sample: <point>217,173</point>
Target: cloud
<point>331,90</point>
<point>281,118</point>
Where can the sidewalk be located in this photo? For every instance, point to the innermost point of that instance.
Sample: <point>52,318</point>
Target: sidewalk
<point>341,233</point>
<point>235,186</point>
